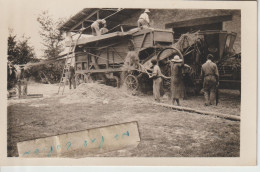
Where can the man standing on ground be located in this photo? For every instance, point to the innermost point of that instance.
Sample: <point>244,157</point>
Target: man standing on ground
<point>177,83</point>
<point>157,80</point>
<point>210,75</point>
<point>143,21</point>
<point>131,61</point>
<point>71,73</point>
<point>21,81</point>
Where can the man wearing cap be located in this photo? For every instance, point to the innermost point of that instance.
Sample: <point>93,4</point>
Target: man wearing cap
<point>177,84</point>
<point>143,21</point>
<point>157,80</point>
<point>96,27</point>
<point>210,75</point>
<point>21,81</point>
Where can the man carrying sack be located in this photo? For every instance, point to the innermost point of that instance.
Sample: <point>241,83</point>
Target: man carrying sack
<point>96,27</point>
<point>210,75</point>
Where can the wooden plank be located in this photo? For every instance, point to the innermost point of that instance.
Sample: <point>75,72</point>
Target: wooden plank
<point>199,21</point>
<point>102,70</point>
<point>142,43</point>
<point>107,61</point>
<point>163,37</point>
<point>181,108</point>
<point>96,38</point>
<point>83,143</point>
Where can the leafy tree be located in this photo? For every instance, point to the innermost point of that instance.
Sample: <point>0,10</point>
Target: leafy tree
<point>53,46</point>
<point>20,52</point>
<point>52,37</point>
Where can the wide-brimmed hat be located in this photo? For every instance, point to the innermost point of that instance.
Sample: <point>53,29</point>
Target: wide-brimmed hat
<point>176,59</point>
<point>146,10</point>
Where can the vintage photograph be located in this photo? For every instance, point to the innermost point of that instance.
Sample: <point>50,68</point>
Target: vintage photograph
<point>126,82</point>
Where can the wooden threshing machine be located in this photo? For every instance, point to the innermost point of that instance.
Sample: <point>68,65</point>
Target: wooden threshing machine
<point>101,58</point>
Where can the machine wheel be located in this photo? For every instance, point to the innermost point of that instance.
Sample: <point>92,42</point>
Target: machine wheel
<point>82,78</point>
<point>131,83</point>
<point>168,53</point>
<point>163,58</point>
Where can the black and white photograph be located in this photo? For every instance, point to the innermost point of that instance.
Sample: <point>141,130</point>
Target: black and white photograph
<point>124,82</point>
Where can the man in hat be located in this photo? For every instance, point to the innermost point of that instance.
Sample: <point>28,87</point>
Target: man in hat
<point>177,84</point>
<point>157,80</point>
<point>210,75</point>
<point>143,21</point>
<point>96,27</point>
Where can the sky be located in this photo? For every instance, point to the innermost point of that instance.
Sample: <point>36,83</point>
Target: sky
<point>22,17</point>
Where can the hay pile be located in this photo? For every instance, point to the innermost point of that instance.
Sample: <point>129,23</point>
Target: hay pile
<point>93,93</point>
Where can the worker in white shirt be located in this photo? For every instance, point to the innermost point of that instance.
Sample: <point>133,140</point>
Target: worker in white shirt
<point>96,27</point>
<point>143,21</point>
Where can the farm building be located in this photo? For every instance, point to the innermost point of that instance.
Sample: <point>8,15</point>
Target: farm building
<point>102,57</point>
<point>179,20</point>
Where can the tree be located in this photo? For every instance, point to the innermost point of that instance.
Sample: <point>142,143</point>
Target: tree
<point>20,52</point>
<point>52,37</point>
<point>53,45</point>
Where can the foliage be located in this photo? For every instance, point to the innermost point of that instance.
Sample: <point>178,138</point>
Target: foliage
<point>52,37</point>
<point>53,46</point>
<point>233,61</point>
<point>19,51</point>
<point>47,73</point>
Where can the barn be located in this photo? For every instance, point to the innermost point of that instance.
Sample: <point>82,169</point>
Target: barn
<point>106,53</point>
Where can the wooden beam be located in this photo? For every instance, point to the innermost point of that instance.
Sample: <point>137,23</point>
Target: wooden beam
<point>98,15</point>
<point>89,21</point>
<point>110,9</point>
<point>142,43</point>
<point>107,60</point>
<point>199,21</point>
<point>117,53</point>
<point>86,18</point>
<point>210,113</point>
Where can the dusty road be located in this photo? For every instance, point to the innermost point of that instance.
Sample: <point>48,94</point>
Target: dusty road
<point>164,132</point>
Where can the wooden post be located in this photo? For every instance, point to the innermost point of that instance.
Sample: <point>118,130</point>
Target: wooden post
<point>107,62</point>
<point>122,29</point>
<point>113,56</point>
<point>97,14</point>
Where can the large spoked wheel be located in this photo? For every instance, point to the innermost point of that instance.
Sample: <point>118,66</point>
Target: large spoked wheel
<point>131,83</point>
<point>83,78</point>
<point>168,54</point>
<point>164,57</point>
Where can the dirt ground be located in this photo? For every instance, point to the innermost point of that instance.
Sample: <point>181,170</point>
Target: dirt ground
<point>164,132</point>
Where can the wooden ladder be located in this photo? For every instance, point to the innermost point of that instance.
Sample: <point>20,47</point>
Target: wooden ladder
<point>65,70</point>
<point>64,78</point>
